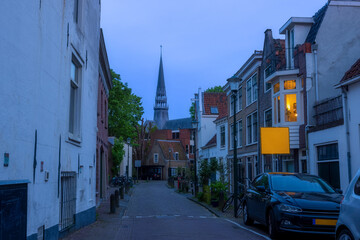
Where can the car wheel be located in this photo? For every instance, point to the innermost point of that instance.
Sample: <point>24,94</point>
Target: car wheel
<point>246,218</point>
<point>272,225</point>
<point>345,235</point>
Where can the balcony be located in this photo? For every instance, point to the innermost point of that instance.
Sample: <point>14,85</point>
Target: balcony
<point>329,113</point>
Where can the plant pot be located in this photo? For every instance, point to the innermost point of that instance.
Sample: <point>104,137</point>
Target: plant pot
<point>214,202</point>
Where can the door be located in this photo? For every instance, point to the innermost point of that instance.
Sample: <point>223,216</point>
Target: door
<point>13,211</point>
<point>261,197</point>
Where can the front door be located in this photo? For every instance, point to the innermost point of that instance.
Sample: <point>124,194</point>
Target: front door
<point>13,211</point>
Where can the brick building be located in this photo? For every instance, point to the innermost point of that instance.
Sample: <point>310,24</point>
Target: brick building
<point>102,144</point>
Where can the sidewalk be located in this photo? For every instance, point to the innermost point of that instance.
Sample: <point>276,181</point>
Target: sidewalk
<point>107,225</point>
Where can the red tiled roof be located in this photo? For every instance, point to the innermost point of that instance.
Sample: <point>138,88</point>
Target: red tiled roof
<point>354,71</point>
<point>175,146</point>
<point>218,100</point>
<point>211,142</point>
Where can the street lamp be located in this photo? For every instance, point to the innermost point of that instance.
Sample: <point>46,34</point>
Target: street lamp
<point>127,167</point>
<point>234,84</point>
<point>195,126</point>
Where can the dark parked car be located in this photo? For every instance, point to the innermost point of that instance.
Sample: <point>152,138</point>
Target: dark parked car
<point>292,202</point>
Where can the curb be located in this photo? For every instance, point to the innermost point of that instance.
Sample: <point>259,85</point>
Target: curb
<point>203,205</point>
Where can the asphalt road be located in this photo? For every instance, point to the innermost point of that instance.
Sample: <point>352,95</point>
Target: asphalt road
<point>156,212</point>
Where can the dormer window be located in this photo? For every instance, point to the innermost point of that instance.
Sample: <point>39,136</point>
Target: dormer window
<point>214,110</point>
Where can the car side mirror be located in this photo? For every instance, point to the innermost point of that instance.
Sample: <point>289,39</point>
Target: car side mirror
<point>260,188</point>
<point>338,190</point>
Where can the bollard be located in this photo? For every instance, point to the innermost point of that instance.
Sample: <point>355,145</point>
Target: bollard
<point>121,189</point>
<point>112,203</point>
<point>117,198</point>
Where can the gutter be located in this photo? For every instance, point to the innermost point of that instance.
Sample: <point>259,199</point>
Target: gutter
<point>346,121</point>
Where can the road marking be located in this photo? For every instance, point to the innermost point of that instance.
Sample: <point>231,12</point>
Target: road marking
<point>202,217</point>
<point>245,228</point>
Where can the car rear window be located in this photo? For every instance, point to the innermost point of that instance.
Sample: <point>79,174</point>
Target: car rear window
<point>357,187</point>
<point>299,183</point>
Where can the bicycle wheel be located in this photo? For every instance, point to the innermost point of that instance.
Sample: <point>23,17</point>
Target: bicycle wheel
<point>239,208</point>
<point>228,203</point>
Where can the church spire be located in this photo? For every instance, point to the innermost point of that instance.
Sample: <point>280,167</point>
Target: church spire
<point>161,115</point>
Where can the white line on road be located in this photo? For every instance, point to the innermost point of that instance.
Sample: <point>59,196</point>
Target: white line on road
<point>245,228</point>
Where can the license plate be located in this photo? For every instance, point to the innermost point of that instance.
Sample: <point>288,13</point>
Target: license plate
<point>324,222</point>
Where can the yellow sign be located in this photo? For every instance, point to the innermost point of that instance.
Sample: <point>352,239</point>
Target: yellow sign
<point>275,140</point>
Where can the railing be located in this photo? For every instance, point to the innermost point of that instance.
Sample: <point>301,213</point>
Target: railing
<point>329,111</point>
<point>67,200</point>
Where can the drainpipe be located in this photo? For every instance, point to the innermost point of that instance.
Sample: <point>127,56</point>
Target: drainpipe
<point>314,49</point>
<point>346,120</point>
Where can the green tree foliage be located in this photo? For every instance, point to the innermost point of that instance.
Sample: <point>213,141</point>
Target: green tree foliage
<point>117,153</point>
<point>216,89</point>
<point>125,109</point>
<point>192,111</point>
<point>204,172</point>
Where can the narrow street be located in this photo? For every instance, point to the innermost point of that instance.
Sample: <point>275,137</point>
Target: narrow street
<point>157,212</point>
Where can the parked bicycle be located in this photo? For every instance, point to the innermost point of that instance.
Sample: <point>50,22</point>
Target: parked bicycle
<point>239,198</point>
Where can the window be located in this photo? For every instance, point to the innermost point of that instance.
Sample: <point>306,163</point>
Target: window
<point>262,180</point>
<point>156,158</point>
<point>175,135</point>
<point>328,164</point>
<point>251,130</point>
<point>222,136</point>
<point>268,71</point>
<point>240,130</point>
<point>276,88</point>
<point>192,135</point>
<point>173,172</point>
<point>357,187</point>
<point>76,11</point>
<point>289,84</point>
<point>176,156</point>
<point>75,91</point>
<point>192,149</point>
<point>240,98</point>
<point>268,118</point>
<point>187,149</point>
<point>251,89</point>
<point>214,110</point>
<point>249,168</point>
<point>277,109</point>
<point>232,104</point>
<point>290,108</point>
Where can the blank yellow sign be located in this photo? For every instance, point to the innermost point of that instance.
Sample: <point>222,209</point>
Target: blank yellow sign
<point>275,140</point>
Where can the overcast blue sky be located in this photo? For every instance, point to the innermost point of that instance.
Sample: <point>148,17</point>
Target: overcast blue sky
<point>204,42</point>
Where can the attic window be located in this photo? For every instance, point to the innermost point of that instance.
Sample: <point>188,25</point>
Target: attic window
<point>214,110</point>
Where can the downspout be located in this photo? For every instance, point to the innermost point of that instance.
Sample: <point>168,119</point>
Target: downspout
<point>315,48</point>
<point>346,121</point>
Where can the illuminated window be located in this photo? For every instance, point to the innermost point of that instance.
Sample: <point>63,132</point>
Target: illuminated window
<point>290,108</point>
<point>289,84</point>
<point>276,87</point>
<point>277,109</point>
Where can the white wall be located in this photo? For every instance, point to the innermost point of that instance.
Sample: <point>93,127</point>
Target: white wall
<point>124,163</point>
<point>354,126</point>
<point>35,60</point>
<point>328,136</point>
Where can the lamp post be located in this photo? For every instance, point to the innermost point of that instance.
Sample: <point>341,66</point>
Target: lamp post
<point>169,171</point>
<point>233,83</point>
<point>195,126</point>
<point>127,167</point>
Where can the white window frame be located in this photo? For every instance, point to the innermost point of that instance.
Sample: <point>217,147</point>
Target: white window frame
<point>253,91</point>
<point>253,139</point>
<point>240,135</point>
<point>239,108</point>
<point>222,131</point>
<point>272,120</point>
<point>176,156</point>
<point>75,101</point>
<point>156,158</point>
<point>232,137</point>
